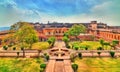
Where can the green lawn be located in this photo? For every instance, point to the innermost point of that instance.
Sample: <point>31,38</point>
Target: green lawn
<point>20,64</point>
<point>98,64</point>
<point>38,45</point>
<point>41,45</point>
<point>92,44</point>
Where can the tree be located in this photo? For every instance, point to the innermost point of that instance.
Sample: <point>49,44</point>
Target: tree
<point>75,67</point>
<point>75,30</point>
<point>51,41</point>
<point>66,40</point>
<point>26,34</point>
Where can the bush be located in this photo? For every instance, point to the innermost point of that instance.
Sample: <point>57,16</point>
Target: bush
<point>99,48</point>
<point>68,46</point>
<point>112,53</point>
<point>76,47</point>
<point>14,48</point>
<point>22,48</point>
<point>99,53</point>
<point>5,47</point>
<point>43,66</point>
<point>10,45</point>
<point>86,48</point>
<point>18,53</point>
<point>74,67</point>
<point>47,57</point>
<point>80,55</point>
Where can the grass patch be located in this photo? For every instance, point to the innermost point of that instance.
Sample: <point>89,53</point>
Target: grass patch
<point>93,45</point>
<point>20,64</point>
<point>38,45</point>
<point>98,64</point>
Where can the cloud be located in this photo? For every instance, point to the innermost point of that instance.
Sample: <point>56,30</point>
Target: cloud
<point>59,10</point>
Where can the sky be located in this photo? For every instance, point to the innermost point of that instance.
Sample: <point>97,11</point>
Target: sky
<point>71,11</point>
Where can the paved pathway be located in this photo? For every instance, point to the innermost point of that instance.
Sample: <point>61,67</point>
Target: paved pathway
<point>57,62</point>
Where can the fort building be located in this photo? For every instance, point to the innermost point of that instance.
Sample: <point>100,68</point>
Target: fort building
<point>98,30</point>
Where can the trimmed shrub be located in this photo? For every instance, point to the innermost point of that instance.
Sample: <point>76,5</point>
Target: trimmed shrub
<point>99,53</point>
<point>18,54</point>
<point>47,57</point>
<point>22,48</point>
<point>99,48</point>
<point>42,66</point>
<point>68,46</point>
<point>112,53</point>
<point>76,47</point>
<point>75,67</point>
<point>10,45</point>
<point>5,47</point>
<point>14,48</point>
<point>80,55</point>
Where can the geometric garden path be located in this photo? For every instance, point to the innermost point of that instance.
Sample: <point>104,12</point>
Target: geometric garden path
<point>59,59</point>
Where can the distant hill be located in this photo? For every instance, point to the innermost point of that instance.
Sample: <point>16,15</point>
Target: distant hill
<point>4,28</point>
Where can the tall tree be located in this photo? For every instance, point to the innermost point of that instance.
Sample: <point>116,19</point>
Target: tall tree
<point>75,30</point>
<point>26,34</point>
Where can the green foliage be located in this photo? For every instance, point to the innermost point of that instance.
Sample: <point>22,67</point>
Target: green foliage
<point>10,45</point>
<point>51,41</point>
<point>43,66</point>
<point>101,42</point>
<point>66,39</point>
<point>68,46</point>
<point>76,47</point>
<point>18,53</point>
<point>112,53</point>
<point>75,67</point>
<point>80,55</point>
<point>75,30</point>
<point>66,34</point>
<point>99,48</point>
<point>99,53</point>
<point>46,56</point>
<point>5,47</point>
<point>84,47</point>
<point>26,34</point>
<point>115,41</point>
<point>22,48</point>
<point>14,48</point>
